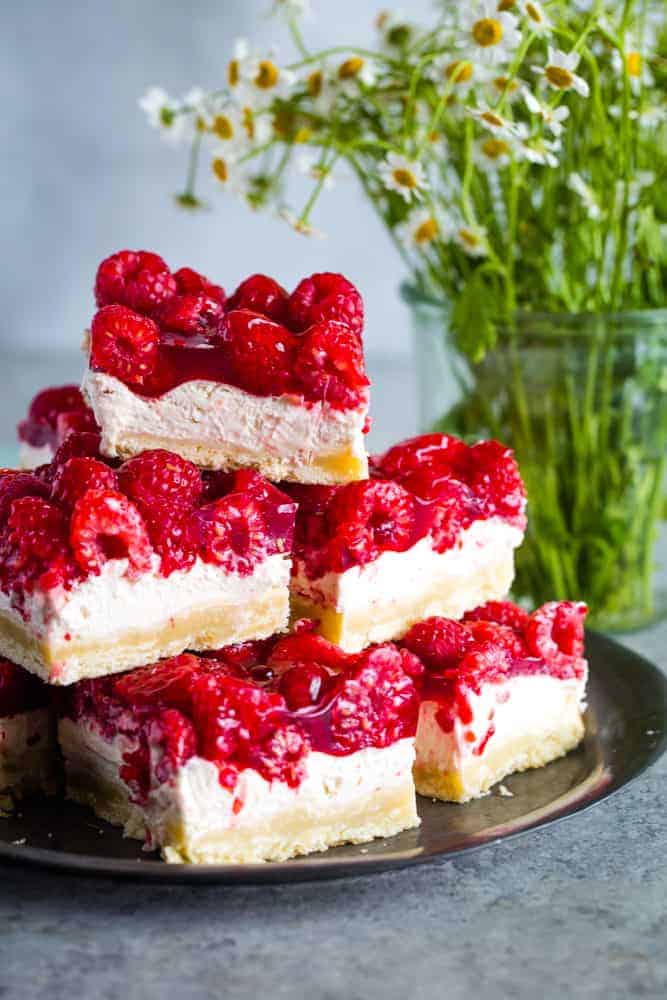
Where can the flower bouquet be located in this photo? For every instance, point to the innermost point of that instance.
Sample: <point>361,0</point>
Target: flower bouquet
<point>516,153</point>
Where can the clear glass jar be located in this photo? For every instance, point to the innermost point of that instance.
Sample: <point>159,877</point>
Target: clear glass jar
<point>582,399</point>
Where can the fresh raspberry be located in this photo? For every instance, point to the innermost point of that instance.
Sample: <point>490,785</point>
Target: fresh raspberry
<point>35,550</point>
<point>173,741</point>
<point>78,444</point>
<point>304,685</point>
<point>329,366</point>
<point>231,533</point>
<point>242,657</point>
<point>137,279</point>
<point>171,535</point>
<point>14,485</point>
<point>440,643</point>
<point>304,647</point>
<point>19,690</point>
<point>260,352</point>
<point>215,484</point>
<point>367,517</point>
<point>166,683</point>
<point>429,454</point>
<point>377,703</point>
<point>189,282</point>
<point>106,525</point>
<point>454,509</point>
<point>163,478</point>
<point>495,478</point>
<point>78,475</point>
<point>124,344</point>
<point>555,632</point>
<point>45,409</point>
<point>485,661</point>
<point>190,314</point>
<point>279,757</point>
<point>260,294</point>
<point>323,297</point>
<point>75,420</point>
<point>500,635</point>
<point>502,612</point>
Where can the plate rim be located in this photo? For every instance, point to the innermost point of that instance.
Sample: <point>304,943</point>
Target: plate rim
<point>313,869</point>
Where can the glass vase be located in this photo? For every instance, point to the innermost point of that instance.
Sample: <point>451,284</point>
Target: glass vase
<point>582,399</point>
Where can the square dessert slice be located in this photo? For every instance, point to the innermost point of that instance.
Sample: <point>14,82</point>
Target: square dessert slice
<point>258,752</point>
<point>261,380</point>
<point>53,414</point>
<point>503,691</point>
<point>28,751</point>
<point>433,532</point>
<point>103,569</point>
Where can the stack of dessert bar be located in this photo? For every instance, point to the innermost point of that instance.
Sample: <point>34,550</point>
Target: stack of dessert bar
<point>263,641</point>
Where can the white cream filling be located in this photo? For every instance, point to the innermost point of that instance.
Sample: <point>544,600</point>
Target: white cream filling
<point>30,456</point>
<point>112,603</point>
<point>522,705</point>
<point>396,577</point>
<point>217,416</point>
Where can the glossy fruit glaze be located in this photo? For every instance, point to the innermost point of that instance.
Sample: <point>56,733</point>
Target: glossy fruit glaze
<point>495,642</point>
<point>260,705</point>
<point>53,414</point>
<point>155,330</point>
<point>64,521</point>
<point>429,485</point>
<point>19,690</point>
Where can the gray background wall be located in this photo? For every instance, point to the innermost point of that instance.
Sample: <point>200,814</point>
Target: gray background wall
<point>82,175</point>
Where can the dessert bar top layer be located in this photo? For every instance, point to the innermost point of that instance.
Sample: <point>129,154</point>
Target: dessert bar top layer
<point>431,485</point>
<point>155,330</point>
<point>260,705</point>
<point>63,522</point>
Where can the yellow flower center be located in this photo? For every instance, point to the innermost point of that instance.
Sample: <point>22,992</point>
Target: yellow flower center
<point>506,5</point>
<point>559,77</point>
<point>495,148</point>
<point>302,134</point>
<point>404,178</point>
<point>220,169</point>
<point>315,83</point>
<point>487,32</point>
<point>468,237</point>
<point>351,68</point>
<point>534,13</point>
<point>459,71</point>
<point>426,231</point>
<point>248,122</point>
<point>267,75</point>
<point>223,127</point>
<point>433,135</point>
<point>505,83</point>
<point>233,73</point>
<point>633,63</point>
<point>495,121</point>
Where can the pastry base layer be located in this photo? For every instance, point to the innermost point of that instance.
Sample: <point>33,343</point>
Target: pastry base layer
<point>344,800</point>
<point>328,470</point>
<point>203,628</point>
<point>28,756</point>
<point>357,628</point>
<point>531,749</point>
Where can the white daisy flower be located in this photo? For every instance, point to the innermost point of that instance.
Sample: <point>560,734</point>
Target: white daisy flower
<point>239,129</point>
<point>163,113</point>
<point>540,151</point>
<point>576,183</point>
<point>394,27</point>
<point>255,78</point>
<point>419,230</point>
<point>553,118</point>
<point>511,88</point>
<point>492,153</point>
<point>538,21</point>
<point>404,176</point>
<point>356,70</point>
<point>321,89</point>
<point>471,237</point>
<point>634,64</point>
<point>229,173</point>
<point>488,35</point>
<point>495,122</point>
<point>559,71</point>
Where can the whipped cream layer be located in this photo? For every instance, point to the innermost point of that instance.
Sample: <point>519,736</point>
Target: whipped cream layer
<point>25,747</point>
<point>225,421</point>
<point>397,577</point>
<point>193,818</point>
<point>505,714</point>
<point>31,456</point>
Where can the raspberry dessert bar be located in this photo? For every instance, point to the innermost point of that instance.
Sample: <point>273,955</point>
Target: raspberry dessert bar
<point>264,380</point>
<point>27,733</point>
<point>503,691</point>
<point>433,532</point>
<point>52,415</point>
<point>103,569</point>
<point>261,751</point>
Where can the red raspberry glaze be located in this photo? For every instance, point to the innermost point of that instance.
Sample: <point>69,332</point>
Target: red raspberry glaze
<point>460,657</point>
<point>261,294</point>
<point>67,519</point>
<point>431,485</point>
<point>321,699</point>
<point>189,282</point>
<point>52,414</point>
<point>19,690</point>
